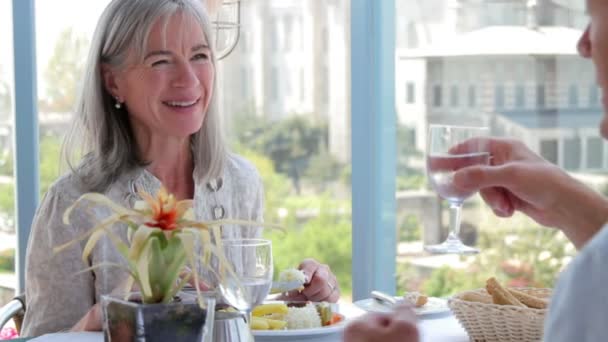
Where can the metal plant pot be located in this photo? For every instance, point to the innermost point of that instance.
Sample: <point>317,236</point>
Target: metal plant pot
<point>179,321</point>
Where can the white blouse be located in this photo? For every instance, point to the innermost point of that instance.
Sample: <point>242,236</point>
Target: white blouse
<point>57,295</point>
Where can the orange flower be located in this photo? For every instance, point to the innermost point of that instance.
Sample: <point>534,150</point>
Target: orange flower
<point>166,211</point>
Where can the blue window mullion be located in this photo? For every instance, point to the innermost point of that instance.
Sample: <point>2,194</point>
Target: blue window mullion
<point>26,128</point>
<point>373,145</point>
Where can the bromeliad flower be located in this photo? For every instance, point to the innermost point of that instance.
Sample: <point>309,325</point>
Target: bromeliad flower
<point>164,210</point>
<point>161,242</point>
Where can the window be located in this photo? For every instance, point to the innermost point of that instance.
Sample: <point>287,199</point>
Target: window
<point>520,97</point>
<point>325,39</point>
<point>300,147</point>
<point>572,154</point>
<point>454,96</point>
<point>522,93</point>
<point>472,96</point>
<point>8,240</point>
<point>288,34</point>
<point>287,80</point>
<point>302,85</point>
<point>594,97</point>
<point>595,153</point>
<point>499,97</point>
<point>540,96</point>
<point>244,82</point>
<point>573,96</point>
<point>437,96</point>
<point>410,93</point>
<point>274,35</point>
<point>549,150</point>
<point>325,85</point>
<point>274,84</point>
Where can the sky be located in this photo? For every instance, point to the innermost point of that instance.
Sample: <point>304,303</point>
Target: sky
<point>51,19</point>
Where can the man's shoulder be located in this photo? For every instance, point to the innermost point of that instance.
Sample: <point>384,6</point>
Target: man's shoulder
<point>580,301</point>
<point>596,249</point>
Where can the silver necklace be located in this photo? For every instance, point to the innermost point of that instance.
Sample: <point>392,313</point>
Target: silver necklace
<point>217,211</point>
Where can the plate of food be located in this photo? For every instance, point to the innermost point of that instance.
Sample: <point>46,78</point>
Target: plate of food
<point>423,305</point>
<point>296,321</point>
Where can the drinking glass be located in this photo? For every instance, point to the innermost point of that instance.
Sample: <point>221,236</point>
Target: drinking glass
<point>251,260</point>
<point>449,149</point>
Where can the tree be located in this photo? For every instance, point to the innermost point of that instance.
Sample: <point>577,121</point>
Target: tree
<point>64,71</point>
<point>527,256</point>
<point>326,238</point>
<point>290,143</point>
<point>6,103</point>
<point>323,169</point>
<point>276,186</point>
<point>408,177</point>
<point>50,147</point>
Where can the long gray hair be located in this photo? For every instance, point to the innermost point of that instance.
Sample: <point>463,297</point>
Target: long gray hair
<point>101,134</point>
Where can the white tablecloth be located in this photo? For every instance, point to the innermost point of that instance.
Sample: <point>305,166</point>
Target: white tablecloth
<point>438,329</point>
<point>434,328</point>
<point>443,328</point>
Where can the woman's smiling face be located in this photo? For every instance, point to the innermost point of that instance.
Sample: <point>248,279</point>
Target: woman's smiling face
<point>168,93</point>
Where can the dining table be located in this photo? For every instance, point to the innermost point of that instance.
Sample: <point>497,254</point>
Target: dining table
<point>433,328</point>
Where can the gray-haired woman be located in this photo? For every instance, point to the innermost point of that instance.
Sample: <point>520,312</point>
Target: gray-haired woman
<point>147,115</point>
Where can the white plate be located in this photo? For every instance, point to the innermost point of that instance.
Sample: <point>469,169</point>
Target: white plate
<point>433,306</point>
<point>328,333</point>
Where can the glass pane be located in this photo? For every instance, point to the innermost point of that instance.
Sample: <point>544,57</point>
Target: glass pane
<point>61,48</point>
<point>294,124</point>
<point>595,153</point>
<point>549,101</point>
<point>8,241</point>
<point>572,153</point>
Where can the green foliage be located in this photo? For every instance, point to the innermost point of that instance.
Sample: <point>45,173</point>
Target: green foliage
<point>50,147</point>
<point>412,181</point>
<point>276,186</point>
<point>325,237</point>
<point>6,163</point>
<point>408,178</point>
<point>49,171</point>
<point>6,103</point>
<point>7,260</point>
<point>290,143</point>
<point>410,229</point>
<point>63,72</point>
<point>524,256</point>
<point>7,199</point>
<point>323,169</point>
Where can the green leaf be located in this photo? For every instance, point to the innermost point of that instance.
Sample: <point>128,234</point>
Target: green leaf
<point>140,238</point>
<point>175,256</point>
<point>143,265</point>
<point>156,268</point>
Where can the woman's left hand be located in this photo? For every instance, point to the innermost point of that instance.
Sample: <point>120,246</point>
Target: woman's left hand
<point>321,284</point>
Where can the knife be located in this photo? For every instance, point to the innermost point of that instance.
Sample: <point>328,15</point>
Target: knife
<point>384,298</point>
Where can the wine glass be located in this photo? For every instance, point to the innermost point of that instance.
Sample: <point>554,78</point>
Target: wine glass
<point>251,261</point>
<point>449,149</point>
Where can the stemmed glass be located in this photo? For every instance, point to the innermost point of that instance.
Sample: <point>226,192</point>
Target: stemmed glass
<point>449,149</point>
<point>251,260</point>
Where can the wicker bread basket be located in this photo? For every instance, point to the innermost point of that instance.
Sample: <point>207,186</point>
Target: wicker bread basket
<point>492,322</point>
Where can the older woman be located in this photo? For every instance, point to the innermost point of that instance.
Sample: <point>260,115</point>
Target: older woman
<point>519,180</point>
<point>147,116</point>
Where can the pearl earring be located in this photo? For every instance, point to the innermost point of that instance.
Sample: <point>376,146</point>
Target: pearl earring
<point>117,105</point>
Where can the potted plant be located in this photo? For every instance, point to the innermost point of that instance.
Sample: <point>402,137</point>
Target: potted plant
<point>161,242</point>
